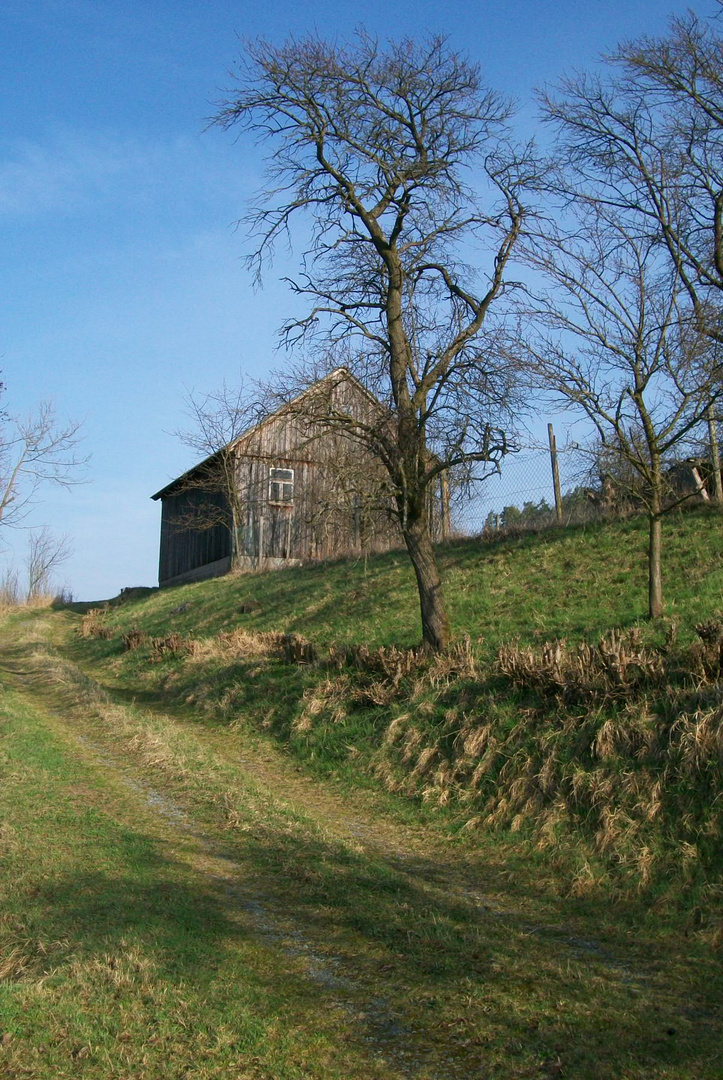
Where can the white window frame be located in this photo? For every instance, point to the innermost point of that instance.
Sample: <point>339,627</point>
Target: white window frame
<point>281,489</point>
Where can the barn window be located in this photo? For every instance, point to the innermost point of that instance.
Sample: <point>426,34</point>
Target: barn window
<point>281,486</point>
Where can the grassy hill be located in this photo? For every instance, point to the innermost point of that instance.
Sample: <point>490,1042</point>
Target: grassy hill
<point>604,757</point>
<point>247,831</point>
<point>556,583</point>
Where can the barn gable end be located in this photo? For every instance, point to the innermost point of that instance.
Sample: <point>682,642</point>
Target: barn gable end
<point>300,496</point>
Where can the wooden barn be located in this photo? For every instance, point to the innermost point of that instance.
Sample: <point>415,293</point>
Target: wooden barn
<point>286,491</point>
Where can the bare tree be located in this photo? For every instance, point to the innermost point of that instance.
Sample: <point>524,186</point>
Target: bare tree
<point>376,147</point>
<point>349,494</point>
<point>618,340</point>
<point>9,587</point>
<point>648,134</point>
<point>35,451</point>
<point>46,553</point>
<point>216,421</point>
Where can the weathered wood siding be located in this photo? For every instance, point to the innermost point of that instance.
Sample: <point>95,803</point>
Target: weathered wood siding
<point>338,505</point>
<point>184,549</point>
<point>327,516</point>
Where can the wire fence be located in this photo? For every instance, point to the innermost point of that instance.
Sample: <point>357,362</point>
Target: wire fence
<point>546,485</point>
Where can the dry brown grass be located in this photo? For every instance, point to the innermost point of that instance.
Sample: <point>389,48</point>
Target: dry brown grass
<point>21,954</point>
<point>620,664</point>
<point>92,625</point>
<point>707,652</point>
<point>134,639</point>
<point>170,645</point>
<point>330,698</point>
<point>698,739</point>
<point>242,644</point>
<point>635,774</point>
<point>126,970</point>
<point>390,662</point>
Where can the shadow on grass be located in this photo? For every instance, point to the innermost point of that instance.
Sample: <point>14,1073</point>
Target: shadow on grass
<point>396,958</point>
<point>420,966</point>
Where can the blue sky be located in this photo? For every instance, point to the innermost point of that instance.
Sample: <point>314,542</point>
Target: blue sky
<point>123,283</point>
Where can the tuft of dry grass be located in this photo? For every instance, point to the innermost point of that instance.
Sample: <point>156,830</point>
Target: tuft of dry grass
<point>698,740</point>
<point>330,699</point>
<point>126,970</point>
<point>390,662</point>
<point>134,639</point>
<point>240,644</point>
<point>620,664</point>
<point>170,645</point>
<point>707,652</point>
<point>23,955</point>
<point>92,625</point>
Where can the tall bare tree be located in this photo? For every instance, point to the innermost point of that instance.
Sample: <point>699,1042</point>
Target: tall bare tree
<point>615,337</point>
<point>396,157</point>
<point>648,134</point>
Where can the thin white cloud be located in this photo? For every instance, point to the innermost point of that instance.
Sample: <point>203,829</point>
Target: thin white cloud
<point>70,173</point>
<point>60,175</point>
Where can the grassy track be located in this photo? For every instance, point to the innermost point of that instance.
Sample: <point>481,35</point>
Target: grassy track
<point>121,953</point>
<point>178,901</point>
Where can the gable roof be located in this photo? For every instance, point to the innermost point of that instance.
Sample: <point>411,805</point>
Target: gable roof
<point>337,373</point>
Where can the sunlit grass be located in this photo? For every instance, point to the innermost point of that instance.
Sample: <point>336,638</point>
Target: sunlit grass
<point>558,583</point>
<point>158,945</point>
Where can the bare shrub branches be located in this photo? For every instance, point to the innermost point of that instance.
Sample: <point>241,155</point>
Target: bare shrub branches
<point>46,553</point>
<point>35,451</point>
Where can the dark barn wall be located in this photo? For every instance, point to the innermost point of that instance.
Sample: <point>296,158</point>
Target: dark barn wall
<point>184,549</point>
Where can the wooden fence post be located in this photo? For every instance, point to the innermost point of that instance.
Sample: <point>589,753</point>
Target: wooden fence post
<point>444,499</point>
<point>714,455</point>
<point>555,473</point>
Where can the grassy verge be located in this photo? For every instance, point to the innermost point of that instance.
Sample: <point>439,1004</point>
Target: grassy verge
<point>210,929</point>
<point>603,760</point>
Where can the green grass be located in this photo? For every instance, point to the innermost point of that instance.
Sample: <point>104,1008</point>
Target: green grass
<point>116,957</point>
<point>179,937</point>
<point>628,800</point>
<point>184,941</point>
<point>557,583</point>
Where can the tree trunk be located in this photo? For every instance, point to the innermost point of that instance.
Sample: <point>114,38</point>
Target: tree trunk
<point>435,623</point>
<point>655,576</point>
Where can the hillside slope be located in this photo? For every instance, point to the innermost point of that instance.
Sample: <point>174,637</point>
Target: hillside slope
<point>178,899</point>
<point>560,718</point>
<point>556,583</point>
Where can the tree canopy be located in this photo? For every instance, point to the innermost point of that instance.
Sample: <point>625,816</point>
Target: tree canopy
<point>401,162</point>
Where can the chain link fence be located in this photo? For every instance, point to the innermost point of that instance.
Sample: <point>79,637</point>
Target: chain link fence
<point>543,485</point>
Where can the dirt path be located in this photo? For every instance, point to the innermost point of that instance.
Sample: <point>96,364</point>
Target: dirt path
<point>393,1047</point>
<point>443,961</point>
